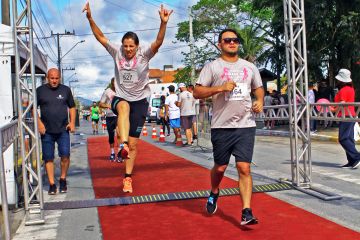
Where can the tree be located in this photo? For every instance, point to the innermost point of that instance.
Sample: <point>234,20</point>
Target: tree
<point>211,17</point>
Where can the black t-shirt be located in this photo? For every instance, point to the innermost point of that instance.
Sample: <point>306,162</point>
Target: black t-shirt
<point>54,104</point>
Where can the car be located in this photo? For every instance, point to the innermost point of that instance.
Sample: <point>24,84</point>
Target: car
<point>154,104</point>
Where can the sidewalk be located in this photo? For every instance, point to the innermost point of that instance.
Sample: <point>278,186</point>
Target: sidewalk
<point>322,134</point>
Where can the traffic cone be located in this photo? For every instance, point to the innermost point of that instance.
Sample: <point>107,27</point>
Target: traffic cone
<point>153,135</point>
<point>179,142</point>
<point>162,136</point>
<point>144,132</point>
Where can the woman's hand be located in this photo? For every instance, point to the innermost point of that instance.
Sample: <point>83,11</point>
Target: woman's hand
<point>164,14</point>
<point>87,10</point>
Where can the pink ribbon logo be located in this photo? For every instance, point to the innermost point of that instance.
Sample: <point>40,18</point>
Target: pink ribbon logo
<point>226,75</point>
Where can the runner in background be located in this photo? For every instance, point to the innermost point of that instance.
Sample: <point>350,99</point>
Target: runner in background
<point>95,115</point>
<point>229,81</point>
<point>131,86</point>
<point>111,118</point>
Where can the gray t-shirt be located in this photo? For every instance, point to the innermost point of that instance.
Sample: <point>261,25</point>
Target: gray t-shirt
<point>131,77</point>
<point>187,101</point>
<point>231,110</point>
<point>107,97</point>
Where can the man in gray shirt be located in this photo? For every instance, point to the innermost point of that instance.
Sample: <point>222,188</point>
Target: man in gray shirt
<point>186,104</point>
<point>229,80</point>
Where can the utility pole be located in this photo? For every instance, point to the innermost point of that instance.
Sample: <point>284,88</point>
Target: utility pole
<point>66,69</point>
<point>59,48</point>
<point>5,12</point>
<point>191,47</point>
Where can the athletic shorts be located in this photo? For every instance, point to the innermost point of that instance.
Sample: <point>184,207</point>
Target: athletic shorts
<point>186,122</point>
<point>238,142</point>
<point>111,123</point>
<point>193,118</point>
<point>96,121</point>
<point>174,123</point>
<point>48,145</point>
<point>138,111</point>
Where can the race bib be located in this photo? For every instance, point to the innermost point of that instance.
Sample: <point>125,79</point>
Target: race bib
<point>129,77</point>
<point>240,92</point>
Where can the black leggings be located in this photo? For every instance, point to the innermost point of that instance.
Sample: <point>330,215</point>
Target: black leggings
<point>111,123</point>
<point>165,123</point>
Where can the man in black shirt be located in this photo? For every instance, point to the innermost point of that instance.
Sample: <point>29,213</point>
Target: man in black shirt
<point>55,100</point>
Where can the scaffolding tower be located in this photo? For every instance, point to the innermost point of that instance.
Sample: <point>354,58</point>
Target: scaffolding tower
<point>299,107</point>
<point>31,166</point>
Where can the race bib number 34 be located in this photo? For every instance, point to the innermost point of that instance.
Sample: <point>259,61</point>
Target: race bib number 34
<point>239,93</point>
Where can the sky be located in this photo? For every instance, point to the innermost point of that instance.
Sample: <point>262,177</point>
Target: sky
<point>93,65</point>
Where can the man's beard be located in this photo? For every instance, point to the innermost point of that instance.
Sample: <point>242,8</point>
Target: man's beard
<point>231,54</point>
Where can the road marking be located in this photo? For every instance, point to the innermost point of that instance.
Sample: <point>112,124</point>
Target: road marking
<point>343,177</point>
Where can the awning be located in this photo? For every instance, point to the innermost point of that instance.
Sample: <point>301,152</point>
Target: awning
<point>7,49</point>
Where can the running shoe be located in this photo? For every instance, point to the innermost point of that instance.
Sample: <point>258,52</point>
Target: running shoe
<point>112,157</point>
<point>211,205</point>
<point>122,154</point>
<point>348,165</point>
<point>52,189</point>
<point>63,187</point>
<point>127,185</point>
<point>356,164</point>
<point>194,137</point>
<point>247,217</point>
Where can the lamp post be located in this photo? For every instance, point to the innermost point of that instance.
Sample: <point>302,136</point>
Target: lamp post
<point>60,68</point>
<point>71,49</point>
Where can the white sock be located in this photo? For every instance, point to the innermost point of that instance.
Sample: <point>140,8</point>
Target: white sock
<point>112,151</point>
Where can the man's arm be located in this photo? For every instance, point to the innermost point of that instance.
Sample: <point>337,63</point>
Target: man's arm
<point>71,125</point>
<point>201,92</point>
<point>104,105</point>
<point>95,29</point>
<point>164,16</point>
<point>166,111</point>
<point>258,104</point>
<point>41,126</point>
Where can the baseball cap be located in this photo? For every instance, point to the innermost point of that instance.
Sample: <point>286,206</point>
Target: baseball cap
<point>181,85</point>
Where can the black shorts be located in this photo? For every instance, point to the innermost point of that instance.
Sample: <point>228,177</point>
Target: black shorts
<point>137,116</point>
<point>233,141</point>
<point>95,121</point>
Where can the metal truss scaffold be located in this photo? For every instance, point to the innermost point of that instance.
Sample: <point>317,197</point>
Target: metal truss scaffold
<point>31,166</point>
<point>299,108</point>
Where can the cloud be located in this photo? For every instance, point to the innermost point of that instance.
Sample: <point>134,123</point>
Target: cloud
<point>93,65</point>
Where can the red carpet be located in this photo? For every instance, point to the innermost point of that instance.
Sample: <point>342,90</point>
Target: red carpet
<point>158,171</point>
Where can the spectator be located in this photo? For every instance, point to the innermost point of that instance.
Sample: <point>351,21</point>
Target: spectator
<point>163,119</point>
<point>194,122</point>
<point>346,129</point>
<point>55,100</point>
<point>172,111</point>
<point>186,104</point>
<point>311,99</point>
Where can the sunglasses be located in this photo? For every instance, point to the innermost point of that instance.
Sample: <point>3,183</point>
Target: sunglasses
<point>229,40</point>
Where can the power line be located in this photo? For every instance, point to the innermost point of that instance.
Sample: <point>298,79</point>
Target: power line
<point>116,32</point>
<point>157,6</point>
<point>129,10</point>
